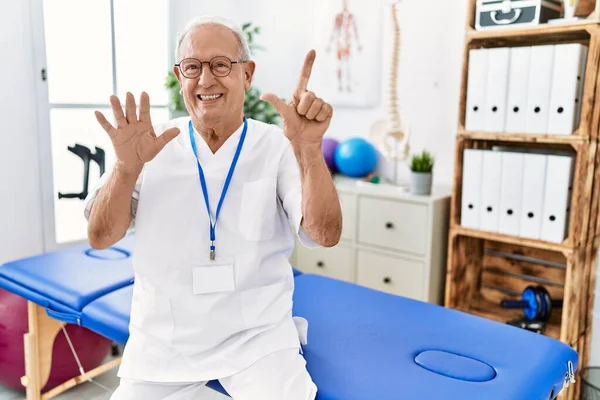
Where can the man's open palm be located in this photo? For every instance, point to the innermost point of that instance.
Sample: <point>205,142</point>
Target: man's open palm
<point>134,139</point>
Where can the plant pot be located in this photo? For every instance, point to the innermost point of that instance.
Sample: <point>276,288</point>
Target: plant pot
<point>420,182</point>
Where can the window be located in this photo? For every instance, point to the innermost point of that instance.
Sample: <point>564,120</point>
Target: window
<point>91,50</point>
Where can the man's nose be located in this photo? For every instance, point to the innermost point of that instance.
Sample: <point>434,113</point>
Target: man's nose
<point>206,76</point>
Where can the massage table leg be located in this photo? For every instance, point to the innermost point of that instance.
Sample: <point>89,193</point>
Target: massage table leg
<point>38,346</point>
<point>38,343</point>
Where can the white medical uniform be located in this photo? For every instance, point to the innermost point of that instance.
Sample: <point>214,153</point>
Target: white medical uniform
<point>191,322</point>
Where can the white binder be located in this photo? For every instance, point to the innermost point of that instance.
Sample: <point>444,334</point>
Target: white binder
<point>496,89</point>
<point>581,81</point>
<point>471,188</point>
<point>539,88</point>
<point>490,190</point>
<point>510,192</point>
<point>476,85</point>
<point>558,182</point>
<point>532,199</point>
<point>518,78</point>
<point>566,97</point>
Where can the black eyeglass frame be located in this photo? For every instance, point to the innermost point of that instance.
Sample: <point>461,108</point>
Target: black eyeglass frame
<point>209,66</point>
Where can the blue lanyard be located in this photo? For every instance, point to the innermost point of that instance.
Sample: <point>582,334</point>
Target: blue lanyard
<point>225,186</point>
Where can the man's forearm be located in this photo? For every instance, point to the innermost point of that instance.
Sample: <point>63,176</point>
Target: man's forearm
<point>111,212</point>
<point>320,203</point>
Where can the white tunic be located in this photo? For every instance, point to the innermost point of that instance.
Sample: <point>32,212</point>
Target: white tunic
<point>175,334</point>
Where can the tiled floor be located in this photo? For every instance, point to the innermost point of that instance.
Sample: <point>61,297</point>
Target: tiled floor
<point>90,391</point>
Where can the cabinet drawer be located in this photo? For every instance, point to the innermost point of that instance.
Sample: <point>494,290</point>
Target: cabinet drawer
<point>335,262</point>
<point>397,225</point>
<point>348,202</point>
<point>391,274</point>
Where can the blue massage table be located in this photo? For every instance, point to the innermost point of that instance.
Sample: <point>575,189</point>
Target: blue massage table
<point>362,343</point>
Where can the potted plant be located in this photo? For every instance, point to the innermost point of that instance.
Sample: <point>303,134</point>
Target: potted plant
<point>421,167</point>
<point>254,107</point>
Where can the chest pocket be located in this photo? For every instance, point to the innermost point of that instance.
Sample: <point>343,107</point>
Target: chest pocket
<point>258,212</point>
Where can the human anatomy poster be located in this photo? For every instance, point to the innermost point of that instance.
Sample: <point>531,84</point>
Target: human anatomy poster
<point>347,39</point>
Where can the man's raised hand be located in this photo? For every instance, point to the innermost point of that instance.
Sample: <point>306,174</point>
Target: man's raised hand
<point>134,139</point>
<point>306,117</point>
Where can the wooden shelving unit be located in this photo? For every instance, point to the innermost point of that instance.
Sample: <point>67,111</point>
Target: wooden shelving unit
<point>572,140</point>
<point>485,267</point>
<point>552,33</point>
<point>507,239</point>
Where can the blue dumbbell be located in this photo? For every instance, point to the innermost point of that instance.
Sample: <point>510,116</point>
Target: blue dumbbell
<point>535,302</point>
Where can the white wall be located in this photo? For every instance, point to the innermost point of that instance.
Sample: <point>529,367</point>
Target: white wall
<point>21,230</point>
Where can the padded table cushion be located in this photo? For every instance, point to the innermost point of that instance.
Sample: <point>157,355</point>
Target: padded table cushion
<point>64,281</point>
<point>364,344</point>
<point>109,315</point>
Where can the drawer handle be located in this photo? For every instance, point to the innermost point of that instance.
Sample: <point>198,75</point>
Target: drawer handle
<point>320,264</point>
<point>387,280</point>
<point>389,225</point>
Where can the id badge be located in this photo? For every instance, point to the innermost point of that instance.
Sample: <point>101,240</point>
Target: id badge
<point>213,276</point>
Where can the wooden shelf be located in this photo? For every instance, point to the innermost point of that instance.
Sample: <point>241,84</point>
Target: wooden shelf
<point>498,237</point>
<point>523,137</point>
<point>483,308</point>
<point>484,267</point>
<point>548,33</point>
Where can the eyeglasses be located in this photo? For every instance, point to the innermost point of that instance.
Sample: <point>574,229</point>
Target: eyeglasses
<point>220,66</point>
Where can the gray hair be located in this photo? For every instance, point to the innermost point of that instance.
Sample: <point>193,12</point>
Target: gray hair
<point>244,50</point>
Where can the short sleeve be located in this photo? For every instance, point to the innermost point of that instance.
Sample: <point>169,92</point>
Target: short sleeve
<point>289,190</point>
<point>91,197</point>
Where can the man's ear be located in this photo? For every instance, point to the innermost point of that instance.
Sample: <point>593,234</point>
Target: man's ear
<point>249,69</point>
<point>177,73</point>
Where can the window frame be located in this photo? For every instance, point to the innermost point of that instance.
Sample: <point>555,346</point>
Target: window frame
<point>43,109</point>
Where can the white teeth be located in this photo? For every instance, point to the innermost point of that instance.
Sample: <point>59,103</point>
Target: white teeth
<point>210,97</point>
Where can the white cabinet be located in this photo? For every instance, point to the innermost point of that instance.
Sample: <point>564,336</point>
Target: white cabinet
<point>392,241</point>
<point>335,262</point>
<point>391,273</point>
<point>393,224</point>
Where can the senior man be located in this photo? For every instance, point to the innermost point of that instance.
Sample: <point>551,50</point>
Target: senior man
<point>212,197</point>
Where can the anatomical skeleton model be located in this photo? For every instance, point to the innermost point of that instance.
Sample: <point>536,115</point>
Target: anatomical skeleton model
<point>344,32</point>
<point>389,134</point>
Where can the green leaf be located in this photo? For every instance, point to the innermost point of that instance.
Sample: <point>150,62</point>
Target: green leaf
<point>423,162</point>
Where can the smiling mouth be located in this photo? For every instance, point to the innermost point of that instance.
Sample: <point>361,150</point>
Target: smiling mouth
<point>209,97</point>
